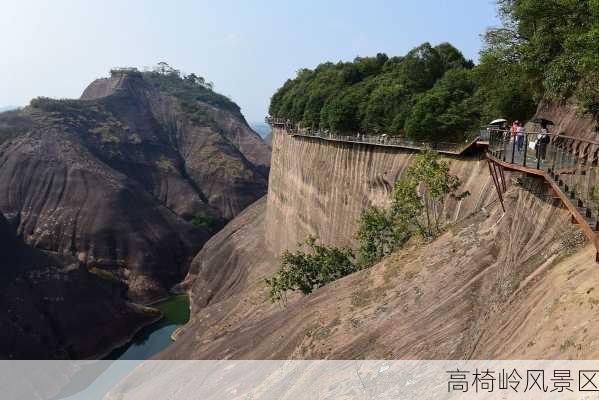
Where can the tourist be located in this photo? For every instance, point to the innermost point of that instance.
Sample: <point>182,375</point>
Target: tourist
<point>541,145</point>
<point>514,129</point>
<point>520,136</point>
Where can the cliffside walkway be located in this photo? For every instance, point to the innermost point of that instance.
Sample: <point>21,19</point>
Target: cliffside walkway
<point>454,149</point>
<point>568,164</point>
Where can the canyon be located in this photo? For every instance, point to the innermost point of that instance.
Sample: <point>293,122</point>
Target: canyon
<point>114,193</point>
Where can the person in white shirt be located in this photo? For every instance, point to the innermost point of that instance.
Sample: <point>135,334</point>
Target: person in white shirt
<point>520,136</point>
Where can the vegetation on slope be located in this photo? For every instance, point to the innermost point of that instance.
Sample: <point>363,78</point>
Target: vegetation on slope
<point>415,209</point>
<point>545,48</point>
<point>187,88</point>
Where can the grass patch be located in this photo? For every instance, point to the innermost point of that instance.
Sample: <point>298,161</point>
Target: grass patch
<point>175,310</point>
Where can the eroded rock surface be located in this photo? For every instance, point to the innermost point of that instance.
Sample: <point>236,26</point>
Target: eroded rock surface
<point>53,307</point>
<point>131,178</point>
<point>515,285</point>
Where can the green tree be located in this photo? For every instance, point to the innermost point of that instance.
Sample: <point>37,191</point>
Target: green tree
<point>446,112</point>
<point>433,183</point>
<point>415,208</point>
<point>309,268</point>
<point>369,94</point>
<point>550,47</point>
<point>378,235</point>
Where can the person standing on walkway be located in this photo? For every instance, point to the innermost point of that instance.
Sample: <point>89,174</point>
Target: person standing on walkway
<point>520,136</point>
<point>542,141</point>
<point>514,130</point>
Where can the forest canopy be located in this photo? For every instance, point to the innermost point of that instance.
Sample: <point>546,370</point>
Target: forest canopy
<point>544,49</point>
<point>381,94</point>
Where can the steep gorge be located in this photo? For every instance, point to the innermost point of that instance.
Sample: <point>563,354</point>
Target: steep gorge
<point>495,285</point>
<point>114,194</point>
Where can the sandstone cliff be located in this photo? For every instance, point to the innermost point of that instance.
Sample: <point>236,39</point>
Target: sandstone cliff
<point>316,188</point>
<point>107,199</point>
<point>495,285</point>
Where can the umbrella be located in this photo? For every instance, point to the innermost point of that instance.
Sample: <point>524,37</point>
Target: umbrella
<point>542,121</point>
<point>498,121</point>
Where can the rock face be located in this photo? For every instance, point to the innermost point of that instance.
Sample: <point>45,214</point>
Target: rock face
<point>315,188</point>
<point>495,285</point>
<point>320,188</point>
<point>50,305</point>
<point>133,178</point>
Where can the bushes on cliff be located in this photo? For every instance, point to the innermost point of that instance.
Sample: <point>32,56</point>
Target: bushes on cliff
<point>378,234</point>
<point>308,270</point>
<point>545,48</point>
<point>187,88</point>
<point>415,208</point>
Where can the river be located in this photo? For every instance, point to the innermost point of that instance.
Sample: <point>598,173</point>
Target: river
<point>156,337</point>
<point>148,342</point>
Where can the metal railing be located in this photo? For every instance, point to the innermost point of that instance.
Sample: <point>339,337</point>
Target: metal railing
<point>571,162</point>
<point>379,140</point>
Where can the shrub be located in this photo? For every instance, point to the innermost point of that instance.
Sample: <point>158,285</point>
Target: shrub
<point>415,208</point>
<point>308,270</point>
<point>202,222</point>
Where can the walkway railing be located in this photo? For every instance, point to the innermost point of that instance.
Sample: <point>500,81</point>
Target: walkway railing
<point>454,148</point>
<point>571,162</point>
<point>570,165</point>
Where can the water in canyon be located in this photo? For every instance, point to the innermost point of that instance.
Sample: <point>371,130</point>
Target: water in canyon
<point>146,343</point>
<point>156,337</point>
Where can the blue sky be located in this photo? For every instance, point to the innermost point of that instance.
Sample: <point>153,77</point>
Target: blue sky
<point>247,48</point>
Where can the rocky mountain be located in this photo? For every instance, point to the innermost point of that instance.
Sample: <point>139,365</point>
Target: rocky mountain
<point>51,303</point>
<point>114,194</point>
<point>133,177</point>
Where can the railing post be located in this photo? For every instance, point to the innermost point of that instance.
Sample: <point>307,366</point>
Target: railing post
<point>513,148</point>
<point>525,148</point>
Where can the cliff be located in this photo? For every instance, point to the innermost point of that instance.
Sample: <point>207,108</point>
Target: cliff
<point>317,188</point>
<point>517,284</point>
<point>320,188</point>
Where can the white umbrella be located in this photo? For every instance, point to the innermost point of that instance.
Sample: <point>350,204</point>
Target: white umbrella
<point>498,121</point>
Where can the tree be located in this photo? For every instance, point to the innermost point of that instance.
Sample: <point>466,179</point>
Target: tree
<point>309,270</point>
<point>378,235</point>
<point>163,68</point>
<point>448,111</point>
<point>429,184</point>
<point>415,208</point>
<point>369,94</point>
<point>552,44</point>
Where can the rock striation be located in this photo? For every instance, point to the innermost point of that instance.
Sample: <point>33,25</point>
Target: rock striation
<point>515,285</point>
<point>131,178</point>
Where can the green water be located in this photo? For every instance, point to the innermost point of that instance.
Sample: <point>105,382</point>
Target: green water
<point>156,337</point>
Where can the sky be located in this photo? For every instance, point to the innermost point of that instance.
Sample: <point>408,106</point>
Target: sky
<point>247,48</point>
